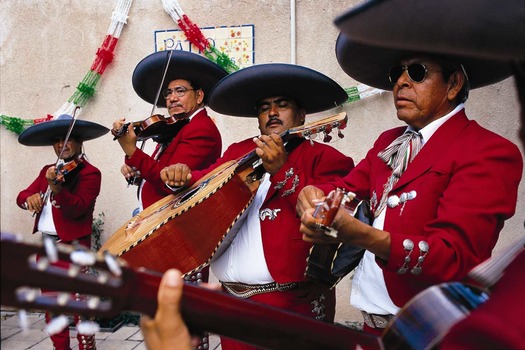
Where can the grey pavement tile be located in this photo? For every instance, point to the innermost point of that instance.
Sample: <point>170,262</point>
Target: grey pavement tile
<point>18,345</point>
<point>123,333</point>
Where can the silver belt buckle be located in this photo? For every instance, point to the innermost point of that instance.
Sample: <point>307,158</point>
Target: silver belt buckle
<point>375,321</point>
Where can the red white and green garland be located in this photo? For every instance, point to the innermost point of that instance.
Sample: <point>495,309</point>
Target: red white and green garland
<point>86,88</point>
<point>105,53</point>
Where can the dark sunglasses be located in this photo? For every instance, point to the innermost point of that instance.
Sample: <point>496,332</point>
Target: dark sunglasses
<point>417,72</point>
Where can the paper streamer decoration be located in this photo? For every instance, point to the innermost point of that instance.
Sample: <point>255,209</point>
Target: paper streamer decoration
<point>104,56</point>
<point>195,36</point>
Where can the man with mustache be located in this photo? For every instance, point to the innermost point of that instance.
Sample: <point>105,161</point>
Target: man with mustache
<point>266,261</point>
<point>440,188</point>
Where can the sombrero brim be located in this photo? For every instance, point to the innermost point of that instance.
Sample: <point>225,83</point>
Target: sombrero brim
<point>494,30</point>
<point>370,64</point>
<point>238,93</point>
<point>148,73</point>
<point>44,133</point>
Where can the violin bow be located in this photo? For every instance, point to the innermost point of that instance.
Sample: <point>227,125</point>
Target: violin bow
<point>157,95</point>
<point>45,196</point>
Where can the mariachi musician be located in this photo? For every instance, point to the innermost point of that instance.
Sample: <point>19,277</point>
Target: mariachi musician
<point>187,135</point>
<point>63,195</point>
<point>179,81</point>
<point>267,259</point>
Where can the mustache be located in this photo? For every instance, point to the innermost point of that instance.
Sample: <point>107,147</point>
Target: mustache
<point>274,119</point>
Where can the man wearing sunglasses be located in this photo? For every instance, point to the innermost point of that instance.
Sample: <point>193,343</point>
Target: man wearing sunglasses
<point>440,187</point>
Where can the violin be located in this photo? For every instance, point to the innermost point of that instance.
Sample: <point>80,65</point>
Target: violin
<point>150,127</point>
<point>68,169</point>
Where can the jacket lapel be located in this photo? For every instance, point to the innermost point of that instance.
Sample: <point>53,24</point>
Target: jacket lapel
<point>435,148</point>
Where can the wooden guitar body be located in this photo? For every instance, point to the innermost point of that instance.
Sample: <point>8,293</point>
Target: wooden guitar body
<point>186,230</point>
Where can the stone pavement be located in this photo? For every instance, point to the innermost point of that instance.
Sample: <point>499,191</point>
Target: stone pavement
<point>127,337</point>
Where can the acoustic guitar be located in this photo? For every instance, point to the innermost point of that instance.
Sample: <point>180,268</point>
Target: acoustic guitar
<point>187,229</point>
<point>112,286</point>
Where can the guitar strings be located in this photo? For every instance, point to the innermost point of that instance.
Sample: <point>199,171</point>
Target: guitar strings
<point>489,272</point>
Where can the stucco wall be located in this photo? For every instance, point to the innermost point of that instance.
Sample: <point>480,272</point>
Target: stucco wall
<point>47,46</point>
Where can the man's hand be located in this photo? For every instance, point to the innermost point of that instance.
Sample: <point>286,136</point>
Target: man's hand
<point>34,202</point>
<point>176,175</point>
<point>308,197</point>
<point>128,139</point>
<point>54,183</point>
<point>129,172</point>
<point>270,148</point>
<point>167,330</point>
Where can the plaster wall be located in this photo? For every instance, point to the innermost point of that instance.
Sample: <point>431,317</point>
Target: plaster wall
<point>47,46</point>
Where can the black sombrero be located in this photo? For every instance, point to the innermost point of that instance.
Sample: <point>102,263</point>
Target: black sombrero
<point>238,93</point>
<point>482,35</point>
<point>482,28</point>
<point>182,65</point>
<point>45,133</point>
<point>370,64</point>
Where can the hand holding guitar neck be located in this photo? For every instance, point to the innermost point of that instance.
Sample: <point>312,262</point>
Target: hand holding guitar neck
<point>327,209</point>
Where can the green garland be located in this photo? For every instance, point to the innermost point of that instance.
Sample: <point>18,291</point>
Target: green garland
<point>16,125</point>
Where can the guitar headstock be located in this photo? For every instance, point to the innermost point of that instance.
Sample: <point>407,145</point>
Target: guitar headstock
<point>323,127</point>
<point>105,286</point>
<point>27,267</point>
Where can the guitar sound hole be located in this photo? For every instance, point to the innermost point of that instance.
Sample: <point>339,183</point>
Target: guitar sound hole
<point>192,192</point>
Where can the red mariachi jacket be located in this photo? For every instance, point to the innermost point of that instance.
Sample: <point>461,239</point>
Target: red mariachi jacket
<point>73,206</point>
<point>466,182</point>
<point>284,249</point>
<point>198,144</point>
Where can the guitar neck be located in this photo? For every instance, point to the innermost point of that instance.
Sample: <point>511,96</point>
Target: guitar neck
<point>106,293</point>
<point>323,126</point>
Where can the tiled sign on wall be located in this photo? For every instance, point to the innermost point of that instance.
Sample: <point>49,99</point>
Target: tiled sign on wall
<point>234,41</point>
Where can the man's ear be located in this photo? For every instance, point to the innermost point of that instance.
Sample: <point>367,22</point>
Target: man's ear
<point>200,96</point>
<point>302,112</point>
<point>455,84</point>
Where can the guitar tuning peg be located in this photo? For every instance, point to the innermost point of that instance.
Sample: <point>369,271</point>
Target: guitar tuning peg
<point>340,134</point>
<point>93,302</point>
<point>83,257</point>
<point>327,137</point>
<point>112,264</point>
<point>42,263</point>
<point>63,298</point>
